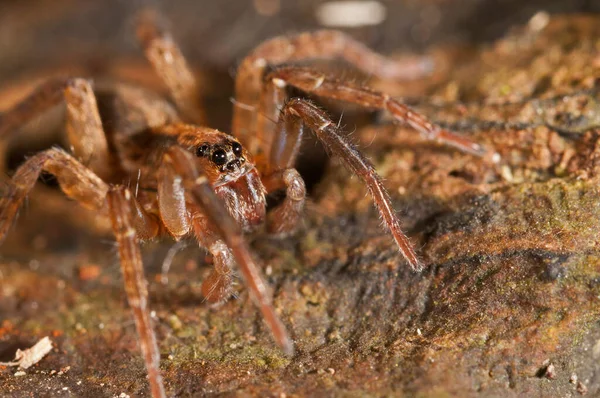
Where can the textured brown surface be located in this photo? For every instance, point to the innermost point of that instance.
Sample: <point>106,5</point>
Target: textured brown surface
<point>511,248</point>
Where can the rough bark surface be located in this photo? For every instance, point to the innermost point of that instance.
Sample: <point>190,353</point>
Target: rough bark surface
<point>508,304</point>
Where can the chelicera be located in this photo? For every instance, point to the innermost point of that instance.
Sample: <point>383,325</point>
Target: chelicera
<point>197,181</point>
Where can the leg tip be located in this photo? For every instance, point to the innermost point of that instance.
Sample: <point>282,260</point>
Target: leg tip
<point>287,347</point>
<point>414,263</point>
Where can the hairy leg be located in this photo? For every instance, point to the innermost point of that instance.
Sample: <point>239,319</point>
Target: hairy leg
<point>298,111</point>
<point>82,185</point>
<point>285,218</point>
<point>314,82</point>
<point>76,181</point>
<point>121,215</point>
<point>84,128</point>
<point>217,287</point>
<point>326,44</point>
<point>179,164</point>
<point>170,65</point>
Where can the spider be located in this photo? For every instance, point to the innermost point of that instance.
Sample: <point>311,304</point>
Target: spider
<point>197,181</point>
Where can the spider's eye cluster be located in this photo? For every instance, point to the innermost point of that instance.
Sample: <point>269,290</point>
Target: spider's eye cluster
<point>220,154</point>
<point>219,157</point>
<point>202,150</point>
<point>237,148</point>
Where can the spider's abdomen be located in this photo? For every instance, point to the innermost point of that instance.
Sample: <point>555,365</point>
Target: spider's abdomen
<point>245,200</point>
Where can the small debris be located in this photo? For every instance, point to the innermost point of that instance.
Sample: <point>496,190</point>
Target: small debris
<point>550,372</point>
<point>581,388</point>
<point>27,358</point>
<point>20,373</point>
<point>506,173</point>
<point>573,379</point>
<point>547,370</point>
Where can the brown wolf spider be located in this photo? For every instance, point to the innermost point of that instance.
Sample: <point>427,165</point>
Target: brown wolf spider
<point>198,181</point>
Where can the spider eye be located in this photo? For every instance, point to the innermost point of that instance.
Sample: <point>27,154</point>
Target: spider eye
<point>202,150</point>
<point>219,157</point>
<point>237,148</point>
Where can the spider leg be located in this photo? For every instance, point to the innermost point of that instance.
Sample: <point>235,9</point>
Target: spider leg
<point>325,44</point>
<point>285,218</point>
<point>179,164</point>
<point>280,174</point>
<point>84,128</point>
<point>76,181</point>
<point>180,217</point>
<point>298,110</point>
<point>217,287</point>
<point>170,65</point>
<point>81,184</point>
<point>118,200</point>
<point>317,83</point>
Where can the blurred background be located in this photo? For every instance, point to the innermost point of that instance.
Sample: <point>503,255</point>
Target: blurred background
<point>216,34</point>
<point>39,38</point>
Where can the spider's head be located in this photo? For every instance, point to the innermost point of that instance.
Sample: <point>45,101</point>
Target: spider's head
<point>219,155</point>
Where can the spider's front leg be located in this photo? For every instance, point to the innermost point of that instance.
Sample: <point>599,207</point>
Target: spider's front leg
<point>80,183</point>
<point>249,125</point>
<point>281,174</point>
<point>311,81</point>
<point>180,217</point>
<point>121,214</point>
<point>285,218</point>
<point>298,112</point>
<point>83,184</point>
<point>75,180</point>
<point>180,183</point>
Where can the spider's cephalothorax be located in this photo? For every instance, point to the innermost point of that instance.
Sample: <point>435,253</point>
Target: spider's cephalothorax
<point>196,181</point>
<point>231,171</point>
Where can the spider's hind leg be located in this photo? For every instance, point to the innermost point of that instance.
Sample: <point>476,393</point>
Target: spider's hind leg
<point>170,65</point>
